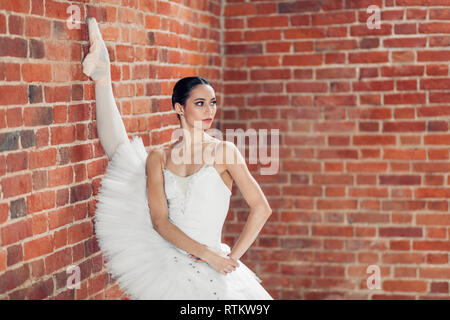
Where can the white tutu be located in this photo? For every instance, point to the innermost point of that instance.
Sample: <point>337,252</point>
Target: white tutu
<point>147,266</point>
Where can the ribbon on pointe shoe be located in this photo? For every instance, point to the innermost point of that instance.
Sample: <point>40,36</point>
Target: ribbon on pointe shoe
<point>96,64</point>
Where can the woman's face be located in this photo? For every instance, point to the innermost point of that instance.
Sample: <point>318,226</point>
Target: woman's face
<point>200,107</point>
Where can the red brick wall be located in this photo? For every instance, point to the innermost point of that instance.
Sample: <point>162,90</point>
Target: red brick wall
<point>363,116</point>
<point>51,161</point>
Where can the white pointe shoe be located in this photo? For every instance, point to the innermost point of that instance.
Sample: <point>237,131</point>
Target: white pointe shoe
<point>96,64</point>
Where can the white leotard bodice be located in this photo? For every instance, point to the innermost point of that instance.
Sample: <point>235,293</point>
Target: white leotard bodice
<point>198,204</point>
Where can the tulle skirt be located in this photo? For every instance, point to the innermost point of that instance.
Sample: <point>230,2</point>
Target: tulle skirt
<point>144,264</point>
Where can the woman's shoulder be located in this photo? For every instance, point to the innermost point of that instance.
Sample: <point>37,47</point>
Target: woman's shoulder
<point>156,156</point>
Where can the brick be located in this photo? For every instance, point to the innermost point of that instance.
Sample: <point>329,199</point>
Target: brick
<point>403,258</point>
<point>97,263</point>
<point>78,253</point>
<point>62,197</point>
<point>38,116</point>
<point>60,217</point>
<point>61,279</point>
<point>431,245</point>
<point>42,158</point>
<point>125,53</point>
<point>14,117</point>
<point>2,23</point>
<point>54,9</point>
<point>27,139</point>
<point>16,185</point>
<point>15,232</point>
<point>40,201</point>
<point>12,71</point>
<point>59,30</point>
<point>37,49</point>
<point>91,246</point>
<point>39,223</point>
<point>37,7</point>
<point>336,257</point>
<point>79,232</point>
<point>81,152</point>
<point>42,137</point>
<point>37,27</point>
<point>33,72</point>
<point>437,258</point>
<point>9,141</point>
<point>58,260</point>
<point>57,94</point>
<point>38,247</point>
<point>21,6</point>
<point>13,47</point>
<point>60,176</point>
<point>439,287</point>
<point>17,162</point>
<point>113,293</point>
<point>77,92</point>
<point>80,171</point>
<point>15,254</point>
<point>2,71</point>
<point>14,278</point>
<point>35,94</point>
<point>96,168</point>
<point>59,114</point>
<point>57,51</point>
<point>97,283</point>
<point>3,258</point>
<point>80,192</point>
<point>39,180</point>
<point>82,132</point>
<point>440,233</point>
<point>332,231</point>
<point>18,208</point>
<point>64,155</point>
<point>404,286</point>
<point>400,232</point>
<point>4,212</point>
<point>2,165</point>
<point>62,135</point>
<point>13,94</point>
<point>79,112</point>
<point>15,24</point>
<point>80,211</point>
<point>399,245</point>
<point>41,290</point>
<point>433,219</point>
<point>60,239</point>
<point>37,268</point>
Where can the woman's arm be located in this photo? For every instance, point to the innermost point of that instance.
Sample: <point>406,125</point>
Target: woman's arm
<point>110,127</point>
<point>260,210</point>
<point>159,210</point>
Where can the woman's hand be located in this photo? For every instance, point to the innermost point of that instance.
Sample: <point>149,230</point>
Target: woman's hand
<point>219,261</point>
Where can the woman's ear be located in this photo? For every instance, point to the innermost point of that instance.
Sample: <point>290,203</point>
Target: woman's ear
<point>178,107</point>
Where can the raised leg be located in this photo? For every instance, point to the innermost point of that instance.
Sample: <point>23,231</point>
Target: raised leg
<point>96,64</point>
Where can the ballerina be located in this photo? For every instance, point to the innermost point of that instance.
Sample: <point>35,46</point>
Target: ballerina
<point>159,232</point>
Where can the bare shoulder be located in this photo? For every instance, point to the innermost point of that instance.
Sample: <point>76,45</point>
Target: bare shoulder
<point>155,158</point>
<point>229,153</point>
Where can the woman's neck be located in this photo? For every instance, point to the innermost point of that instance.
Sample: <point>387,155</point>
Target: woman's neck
<point>194,139</point>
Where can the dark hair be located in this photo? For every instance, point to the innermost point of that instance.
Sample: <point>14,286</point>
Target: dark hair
<point>182,90</point>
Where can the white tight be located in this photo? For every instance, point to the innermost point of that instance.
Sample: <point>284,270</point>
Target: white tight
<point>110,127</point>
